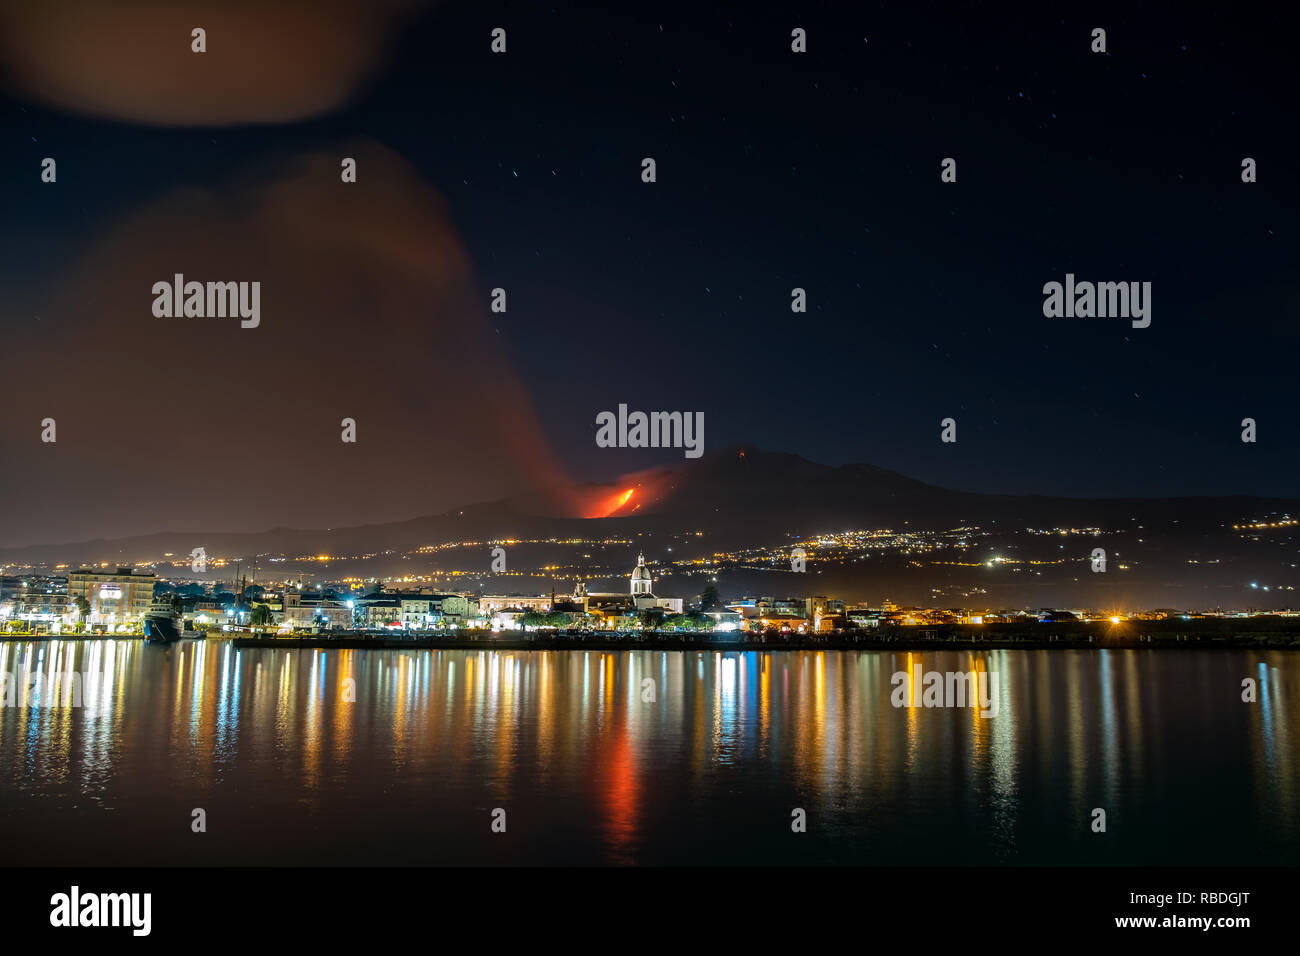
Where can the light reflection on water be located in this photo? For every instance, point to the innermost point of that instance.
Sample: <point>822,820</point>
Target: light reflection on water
<point>589,771</point>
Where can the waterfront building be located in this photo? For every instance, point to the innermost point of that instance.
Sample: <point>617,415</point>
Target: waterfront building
<point>725,620</point>
<point>115,597</point>
<point>508,618</point>
<point>419,610</point>
<point>783,622</point>
<point>489,604</point>
<point>304,609</point>
<point>865,616</point>
<point>380,612</point>
<point>38,599</point>
<point>422,608</point>
<point>770,607</point>
<point>456,609</point>
<point>10,589</point>
<point>210,613</point>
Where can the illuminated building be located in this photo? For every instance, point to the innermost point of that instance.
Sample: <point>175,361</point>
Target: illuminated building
<point>490,603</point>
<point>640,596</point>
<point>115,597</point>
<point>305,609</point>
<point>725,620</point>
<point>507,619</point>
<point>420,609</point>
<point>210,612</point>
<point>457,608</point>
<point>380,613</point>
<point>37,599</point>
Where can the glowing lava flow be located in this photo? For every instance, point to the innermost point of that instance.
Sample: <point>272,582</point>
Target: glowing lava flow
<point>607,506</point>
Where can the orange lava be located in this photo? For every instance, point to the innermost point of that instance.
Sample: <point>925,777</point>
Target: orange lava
<point>611,503</point>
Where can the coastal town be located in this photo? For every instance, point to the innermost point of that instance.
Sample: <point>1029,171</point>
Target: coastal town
<point>114,601</point>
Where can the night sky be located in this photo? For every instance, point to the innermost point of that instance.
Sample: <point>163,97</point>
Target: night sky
<point>522,171</point>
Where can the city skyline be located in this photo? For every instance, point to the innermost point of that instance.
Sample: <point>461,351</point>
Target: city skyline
<point>115,601</point>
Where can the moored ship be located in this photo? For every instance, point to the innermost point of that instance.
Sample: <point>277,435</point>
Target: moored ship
<point>162,622</point>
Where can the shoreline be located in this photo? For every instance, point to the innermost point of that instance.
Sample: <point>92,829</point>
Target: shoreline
<point>902,643</point>
<point>1197,634</point>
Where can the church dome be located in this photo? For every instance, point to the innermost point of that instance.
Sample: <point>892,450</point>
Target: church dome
<point>641,579</point>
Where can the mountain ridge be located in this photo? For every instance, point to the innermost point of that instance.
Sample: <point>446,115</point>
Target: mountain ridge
<point>726,494</point>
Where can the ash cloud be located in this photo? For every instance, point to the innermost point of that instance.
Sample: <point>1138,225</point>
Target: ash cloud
<point>267,61</point>
<point>369,310</point>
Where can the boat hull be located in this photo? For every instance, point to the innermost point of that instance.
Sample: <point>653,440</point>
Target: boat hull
<point>161,630</point>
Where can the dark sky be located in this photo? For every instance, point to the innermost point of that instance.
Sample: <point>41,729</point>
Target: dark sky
<point>522,171</point>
